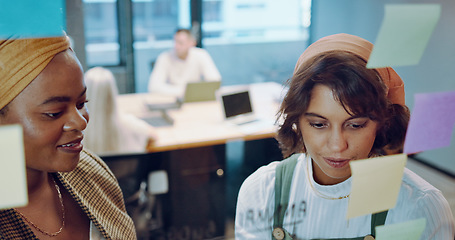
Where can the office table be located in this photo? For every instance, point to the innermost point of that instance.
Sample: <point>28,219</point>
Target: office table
<point>193,152</point>
<point>202,123</point>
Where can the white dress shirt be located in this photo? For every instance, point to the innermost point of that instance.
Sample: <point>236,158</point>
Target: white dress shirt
<point>170,73</point>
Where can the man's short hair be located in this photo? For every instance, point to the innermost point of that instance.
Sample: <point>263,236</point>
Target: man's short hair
<point>185,30</point>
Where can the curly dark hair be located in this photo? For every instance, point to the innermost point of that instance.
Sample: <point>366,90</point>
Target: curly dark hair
<point>359,90</point>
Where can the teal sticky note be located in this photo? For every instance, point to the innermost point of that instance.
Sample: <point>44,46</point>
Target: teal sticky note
<point>404,34</point>
<point>411,230</point>
<point>32,19</point>
<point>13,182</point>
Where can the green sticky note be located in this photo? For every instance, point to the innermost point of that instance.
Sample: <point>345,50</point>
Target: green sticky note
<point>32,19</point>
<point>411,230</point>
<point>13,183</point>
<point>404,34</point>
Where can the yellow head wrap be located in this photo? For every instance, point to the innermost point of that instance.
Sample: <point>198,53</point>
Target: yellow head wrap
<point>361,48</point>
<point>22,60</point>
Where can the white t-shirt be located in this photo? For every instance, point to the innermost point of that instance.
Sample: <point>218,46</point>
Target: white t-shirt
<point>310,216</point>
<point>170,73</point>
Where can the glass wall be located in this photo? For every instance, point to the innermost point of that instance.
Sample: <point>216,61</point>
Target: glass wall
<point>249,40</point>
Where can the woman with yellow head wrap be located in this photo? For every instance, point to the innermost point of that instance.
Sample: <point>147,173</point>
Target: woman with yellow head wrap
<point>335,111</point>
<point>72,193</point>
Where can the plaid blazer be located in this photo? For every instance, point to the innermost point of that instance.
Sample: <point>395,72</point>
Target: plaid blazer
<point>95,188</point>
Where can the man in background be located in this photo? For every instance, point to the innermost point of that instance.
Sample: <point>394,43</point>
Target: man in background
<point>185,63</point>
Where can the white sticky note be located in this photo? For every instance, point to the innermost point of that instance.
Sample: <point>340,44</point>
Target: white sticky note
<point>404,34</point>
<point>411,230</point>
<point>375,184</point>
<point>13,182</point>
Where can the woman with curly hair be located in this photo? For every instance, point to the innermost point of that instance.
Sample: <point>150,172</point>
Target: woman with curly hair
<point>335,111</point>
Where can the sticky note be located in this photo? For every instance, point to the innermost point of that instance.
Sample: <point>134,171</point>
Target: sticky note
<point>431,123</point>
<point>410,230</point>
<point>13,183</point>
<point>375,184</point>
<point>32,19</point>
<point>404,34</point>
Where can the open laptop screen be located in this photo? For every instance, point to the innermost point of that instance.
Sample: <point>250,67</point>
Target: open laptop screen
<point>236,104</point>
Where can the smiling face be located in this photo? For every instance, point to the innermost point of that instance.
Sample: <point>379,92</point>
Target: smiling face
<point>52,112</point>
<point>332,137</point>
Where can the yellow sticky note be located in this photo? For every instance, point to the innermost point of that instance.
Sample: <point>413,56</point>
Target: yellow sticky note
<point>411,230</point>
<point>375,184</point>
<point>404,34</point>
<point>13,183</point>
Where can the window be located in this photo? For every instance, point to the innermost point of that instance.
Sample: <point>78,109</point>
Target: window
<point>223,20</point>
<point>212,10</point>
<point>249,40</point>
<point>238,21</point>
<point>157,20</point>
<point>101,32</point>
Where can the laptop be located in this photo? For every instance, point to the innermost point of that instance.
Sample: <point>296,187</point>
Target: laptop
<point>194,92</point>
<point>238,109</point>
<point>201,91</point>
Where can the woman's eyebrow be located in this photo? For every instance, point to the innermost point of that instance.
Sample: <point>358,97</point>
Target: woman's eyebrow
<point>357,116</point>
<point>56,99</point>
<point>60,99</point>
<point>320,116</point>
<point>314,115</point>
